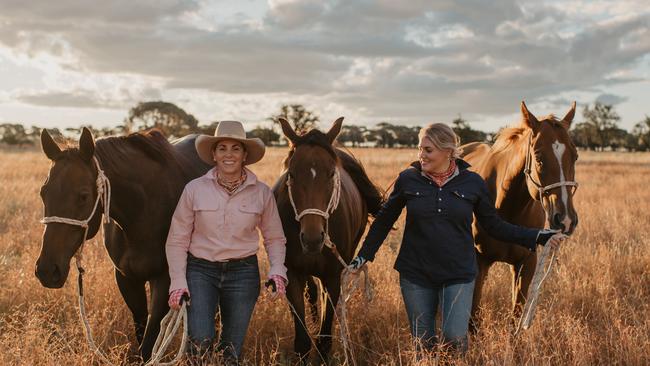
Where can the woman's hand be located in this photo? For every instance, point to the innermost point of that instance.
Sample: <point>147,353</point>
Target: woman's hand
<point>175,298</point>
<point>551,237</point>
<point>278,286</point>
<point>356,264</point>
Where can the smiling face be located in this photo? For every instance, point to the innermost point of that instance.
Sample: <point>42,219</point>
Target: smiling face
<point>432,159</point>
<point>229,156</point>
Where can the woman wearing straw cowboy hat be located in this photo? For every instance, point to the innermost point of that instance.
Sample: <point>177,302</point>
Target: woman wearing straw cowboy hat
<point>213,240</point>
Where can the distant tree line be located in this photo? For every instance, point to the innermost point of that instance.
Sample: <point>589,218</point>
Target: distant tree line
<point>599,129</point>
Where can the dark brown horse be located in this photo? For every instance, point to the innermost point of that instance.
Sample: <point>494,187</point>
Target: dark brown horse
<point>324,194</point>
<point>530,173</point>
<point>147,175</point>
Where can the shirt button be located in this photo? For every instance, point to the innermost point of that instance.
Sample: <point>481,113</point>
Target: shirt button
<point>440,189</point>
<point>439,199</point>
<point>439,210</point>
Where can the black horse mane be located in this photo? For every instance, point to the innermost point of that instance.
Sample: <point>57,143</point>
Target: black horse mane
<point>116,152</point>
<point>371,194</point>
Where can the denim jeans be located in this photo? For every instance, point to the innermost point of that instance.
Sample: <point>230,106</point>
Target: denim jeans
<point>422,305</point>
<point>230,287</point>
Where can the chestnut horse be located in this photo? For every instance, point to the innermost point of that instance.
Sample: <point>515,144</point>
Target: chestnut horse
<point>530,173</point>
<point>324,196</point>
<point>147,175</point>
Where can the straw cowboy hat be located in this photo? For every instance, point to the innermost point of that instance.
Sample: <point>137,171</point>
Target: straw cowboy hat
<point>231,130</point>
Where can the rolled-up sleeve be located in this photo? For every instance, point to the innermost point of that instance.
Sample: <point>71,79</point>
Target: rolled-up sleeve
<point>178,240</point>
<point>273,236</point>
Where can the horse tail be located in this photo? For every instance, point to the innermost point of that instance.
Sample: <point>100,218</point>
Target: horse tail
<point>371,194</point>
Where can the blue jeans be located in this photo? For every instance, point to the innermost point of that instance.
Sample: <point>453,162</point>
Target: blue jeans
<point>232,288</point>
<point>422,305</point>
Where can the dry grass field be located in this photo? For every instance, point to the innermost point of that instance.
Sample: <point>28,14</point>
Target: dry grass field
<point>594,309</point>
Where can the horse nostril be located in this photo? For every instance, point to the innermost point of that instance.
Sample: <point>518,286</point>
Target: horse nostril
<point>557,220</point>
<point>56,274</point>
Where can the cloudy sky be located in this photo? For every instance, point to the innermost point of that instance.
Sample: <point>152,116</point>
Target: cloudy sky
<point>70,62</point>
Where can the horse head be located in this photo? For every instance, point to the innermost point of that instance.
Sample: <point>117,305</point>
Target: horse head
<point>70,192</point>
<point>550,167</point>
<point>313,182</point>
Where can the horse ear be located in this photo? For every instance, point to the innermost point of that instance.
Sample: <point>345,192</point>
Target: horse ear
<point>288,132</point>
<point>86,144</point>
<point>335,130</point>
<point>50,148</point>
<point>568,118</point>
<point>529,119</point>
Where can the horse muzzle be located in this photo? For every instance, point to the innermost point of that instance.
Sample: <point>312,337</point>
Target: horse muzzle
<point>563,222</point>
<point>51,275</point>
<point>312,244</point>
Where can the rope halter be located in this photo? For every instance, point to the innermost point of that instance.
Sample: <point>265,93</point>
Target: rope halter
<point>103,196</point>
<point>331,207</point>
<point>540,188</point>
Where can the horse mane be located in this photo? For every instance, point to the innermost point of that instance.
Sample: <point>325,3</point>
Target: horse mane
<point>116,152</point>
<point>508,137</point>
<point>370,192</point>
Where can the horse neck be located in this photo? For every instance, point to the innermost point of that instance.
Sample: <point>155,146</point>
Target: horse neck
<point>140,188</point>
<point>508,183</point>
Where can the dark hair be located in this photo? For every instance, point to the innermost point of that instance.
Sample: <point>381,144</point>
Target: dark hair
<point>214,146</point>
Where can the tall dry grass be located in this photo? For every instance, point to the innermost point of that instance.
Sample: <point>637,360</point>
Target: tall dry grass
<point>594,309</point>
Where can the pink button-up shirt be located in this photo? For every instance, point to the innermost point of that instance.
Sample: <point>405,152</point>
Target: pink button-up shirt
<point>210,224</point>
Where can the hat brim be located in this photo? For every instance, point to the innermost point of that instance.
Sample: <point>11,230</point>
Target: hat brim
<point>255,148</point>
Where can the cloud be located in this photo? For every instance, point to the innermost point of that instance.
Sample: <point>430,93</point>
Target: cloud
<point>408,62</point>
<point>610,99</point>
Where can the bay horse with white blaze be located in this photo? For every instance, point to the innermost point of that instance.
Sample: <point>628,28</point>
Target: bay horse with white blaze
<point>324,196</point>
<point>530,173</point>
<point>145,176</point>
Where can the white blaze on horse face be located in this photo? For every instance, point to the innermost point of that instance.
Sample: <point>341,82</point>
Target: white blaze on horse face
<point>559,149</point>
<point>313,173</point>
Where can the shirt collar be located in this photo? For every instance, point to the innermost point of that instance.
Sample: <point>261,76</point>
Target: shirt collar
<point>251,178</point>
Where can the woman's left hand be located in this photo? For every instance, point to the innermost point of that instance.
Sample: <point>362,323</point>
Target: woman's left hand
<point>278,286</point>
<point>555,241</point>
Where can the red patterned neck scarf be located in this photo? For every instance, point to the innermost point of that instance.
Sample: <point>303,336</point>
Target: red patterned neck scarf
<point>440,178</point>
<point>231,186</point>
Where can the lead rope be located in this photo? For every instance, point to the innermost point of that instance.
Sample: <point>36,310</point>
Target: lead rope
<point>103,195</point>
<point>170,323</point>
<point>345,281</point>
<point>542,270</point>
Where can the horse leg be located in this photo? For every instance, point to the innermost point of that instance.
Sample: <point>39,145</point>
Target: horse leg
<point>483,269</point>
<point>135,296</point>
<point>295,296</point>
<point>522,275</point>
<point>159,294</point>
<point>324,344</point>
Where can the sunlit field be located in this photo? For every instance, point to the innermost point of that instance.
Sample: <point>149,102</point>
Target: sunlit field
<point>594,308</point>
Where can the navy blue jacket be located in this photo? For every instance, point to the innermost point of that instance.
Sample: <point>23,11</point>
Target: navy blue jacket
<point>438,247</point>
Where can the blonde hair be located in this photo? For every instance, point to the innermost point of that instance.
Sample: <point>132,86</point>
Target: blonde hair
<point>442,137</point>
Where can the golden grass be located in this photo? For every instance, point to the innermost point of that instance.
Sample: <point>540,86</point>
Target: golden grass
<point>594,309</point>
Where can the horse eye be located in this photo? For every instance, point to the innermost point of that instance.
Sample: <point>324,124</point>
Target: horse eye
<point>83,197</point>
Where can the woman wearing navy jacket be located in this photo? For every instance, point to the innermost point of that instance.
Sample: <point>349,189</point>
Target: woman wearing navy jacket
<point>436,261</point>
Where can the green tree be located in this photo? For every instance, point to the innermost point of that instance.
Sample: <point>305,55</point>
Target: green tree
<point>172,120</point>
<point>603,121</point>
<point>14,134</point>
<point>352,134</point>
<point>465,131</point>
<point>385,134</point>
<point>298,116</point>
<point>641,132</point>
<point>267,135</point>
